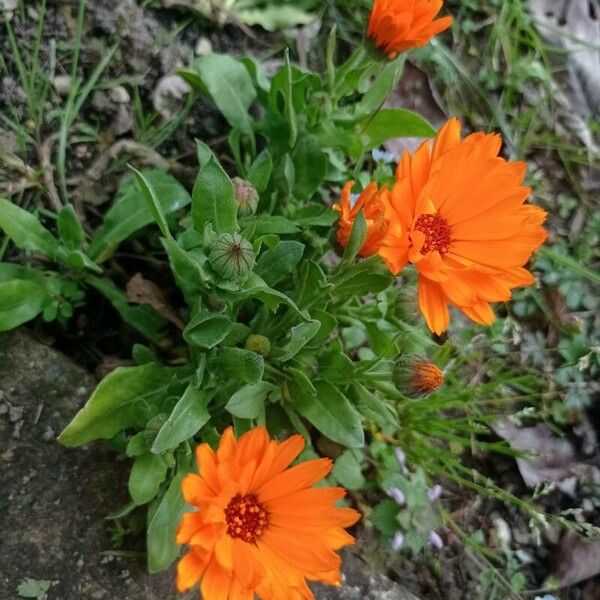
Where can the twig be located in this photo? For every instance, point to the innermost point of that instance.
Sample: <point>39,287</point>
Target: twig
<point>142,152</point>
<point>44,153</point>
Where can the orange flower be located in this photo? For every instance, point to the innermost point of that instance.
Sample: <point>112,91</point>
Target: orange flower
<point>457,212</point>
<point>372,202</point>
<point>415,376</point>
<point>398,25</point>
<point>260,528</point>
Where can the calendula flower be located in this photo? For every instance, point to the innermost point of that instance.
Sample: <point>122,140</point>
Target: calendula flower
<point>372,201</point>
<point>260,528</point>
<point>416,376</point>
<point>458,213</point>
<point>399,25</point>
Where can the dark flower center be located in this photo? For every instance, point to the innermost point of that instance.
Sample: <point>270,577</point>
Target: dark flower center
<point>437,233</point>
<point>246,518</point>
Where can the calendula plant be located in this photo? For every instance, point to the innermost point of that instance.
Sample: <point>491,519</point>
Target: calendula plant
<point>301,317</point>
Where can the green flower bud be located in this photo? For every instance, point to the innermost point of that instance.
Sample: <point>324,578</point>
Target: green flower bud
<point>258,344</point>
<point>246,197</point>
<point>231,256</point>
<point>415,376</point>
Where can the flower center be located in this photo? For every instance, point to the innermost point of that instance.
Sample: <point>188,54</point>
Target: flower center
<point>436,231</point>
<point>246,518</point>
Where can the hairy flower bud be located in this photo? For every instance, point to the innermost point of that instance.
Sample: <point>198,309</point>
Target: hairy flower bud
<point>231,256</point>
<point>246,197</point>
<point>258,344</point>
<point>415,376</point>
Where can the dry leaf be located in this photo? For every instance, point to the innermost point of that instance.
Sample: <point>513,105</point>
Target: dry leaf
<point>551,457</point>
<point>144,291</point>
<point>577,559</point>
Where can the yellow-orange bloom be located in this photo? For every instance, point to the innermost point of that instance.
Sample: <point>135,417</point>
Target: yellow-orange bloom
<point>416,376</point>
<point>260,526</point>
<point>458,213</point>
<point>399,25</point>
<point>372,202</point>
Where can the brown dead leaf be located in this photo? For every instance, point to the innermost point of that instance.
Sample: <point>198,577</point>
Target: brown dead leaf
<point>551,457</point>
<point>144,291</point>
<point>577,559</point>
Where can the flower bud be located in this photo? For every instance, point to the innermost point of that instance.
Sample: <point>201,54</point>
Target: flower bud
<point>246,197</point>
<point>415,376</point>
<point>258,344</point>
<point>231,256</point>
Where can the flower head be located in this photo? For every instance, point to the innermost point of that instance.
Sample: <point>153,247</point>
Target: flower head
<point>260,526</point>
<point>457,212</point>
<point>399,25</point>
<point>372,202</point>
<point>415,376</point>
<point>231,256</point>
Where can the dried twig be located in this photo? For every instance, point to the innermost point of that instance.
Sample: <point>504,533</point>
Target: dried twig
<point>44,154</point>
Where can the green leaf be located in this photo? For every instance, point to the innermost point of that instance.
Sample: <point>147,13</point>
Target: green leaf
<point>242,364</point>
<point>260,171</point>
<point>126,397</point>
<point>331,413</point>
<point>152,201</point>
<point>70,229</point>
<point>358,235</point>
<point>25,229</point>
<point>277,263</point>
<point>78,261</point>
<point>373,408</point>
<point>188,271</point>
<point>347,470</point>
<point>147,473</point>
<point>336,366</point>
<point>213,199</point>
<point>304,384</point>
<point>391,123</point>
<point>248,402</point>
<point>300,336</point>
<point>380,89</point>
<point>20,301</point>
<point>33,588</point>
<point>230,87</point>
<point>384,517</point>
<point>130,211</point>
<point>265,224</point>
<point>273,17</point>
<point>255,287</point>
<point>188,417</point>
<point>206,330</point>
<point>9,271</point>
<point>143,318</point>
<point>310,166</point>
<point>164,516</point>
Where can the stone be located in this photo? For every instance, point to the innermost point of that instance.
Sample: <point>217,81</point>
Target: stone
<point>361,583</point>
<point>53,500</point>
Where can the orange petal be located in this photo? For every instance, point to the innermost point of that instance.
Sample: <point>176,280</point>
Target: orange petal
<point>189,571</point>
<point>216,582</point>
<point>298,477</point>
<point>434,306</point>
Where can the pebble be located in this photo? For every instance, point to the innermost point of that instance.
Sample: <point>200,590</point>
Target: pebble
<point>203,46</point>
<point>119,95</point>
<point>62,84</point>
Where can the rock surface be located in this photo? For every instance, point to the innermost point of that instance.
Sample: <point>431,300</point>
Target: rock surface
<point>53,501</point>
